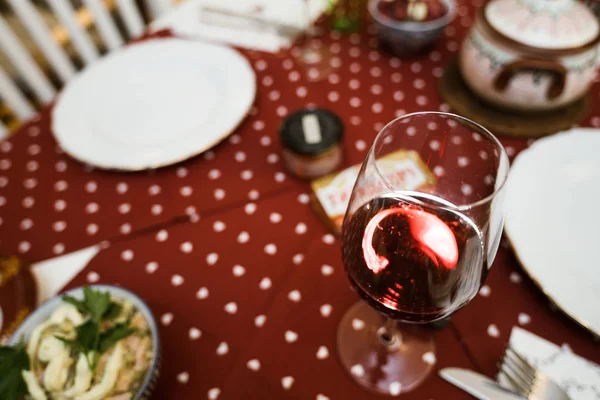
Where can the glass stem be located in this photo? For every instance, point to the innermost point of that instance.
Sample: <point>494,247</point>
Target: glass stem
<point>389,334</point>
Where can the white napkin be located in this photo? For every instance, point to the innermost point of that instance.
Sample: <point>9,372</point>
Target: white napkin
<point>578,376</point>
<point>53,274</point>
<point>187,20</point>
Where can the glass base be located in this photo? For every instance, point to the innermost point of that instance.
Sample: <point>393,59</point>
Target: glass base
<point>379,362</point>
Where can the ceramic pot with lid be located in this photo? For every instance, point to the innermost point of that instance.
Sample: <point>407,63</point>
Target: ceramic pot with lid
<point>531,55</point>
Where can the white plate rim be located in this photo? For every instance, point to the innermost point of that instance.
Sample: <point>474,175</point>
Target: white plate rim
<point>516,246</point>
<point>236,122</point>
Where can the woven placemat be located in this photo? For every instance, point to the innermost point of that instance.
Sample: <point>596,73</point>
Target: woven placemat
<point>464,102</point>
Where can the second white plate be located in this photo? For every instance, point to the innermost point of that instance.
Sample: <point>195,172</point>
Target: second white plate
<point>153,104</point>
<point>553,220</point>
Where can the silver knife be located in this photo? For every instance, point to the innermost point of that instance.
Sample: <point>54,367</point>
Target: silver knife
<point>477,385</point>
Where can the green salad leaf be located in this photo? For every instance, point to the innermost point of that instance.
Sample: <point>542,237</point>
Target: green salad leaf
<point>13,360</point>
<point>90,340</point>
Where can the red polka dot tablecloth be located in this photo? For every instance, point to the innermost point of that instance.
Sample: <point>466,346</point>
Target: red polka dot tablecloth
<point>244,280</point>
<point>248,302</point>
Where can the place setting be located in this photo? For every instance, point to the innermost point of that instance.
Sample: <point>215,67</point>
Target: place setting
<point>313,200</point>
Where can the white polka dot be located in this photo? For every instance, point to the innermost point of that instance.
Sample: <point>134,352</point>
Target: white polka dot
<point>27,202</point>
<point>124,208</point>
<point>93,277</point>
<point>250,208</point>
<point>261,65</point>
<point>219,194</point>
<point>270,249</point>
<point>183,377</point>
<point>510,151</point>
<point>202,293</point>
<point>452,46</point>
<point>212,258</point>
<point>354,84</point>
<point>274,95</point>
<point>463,162</point>
<point>181,172</point>
<point>524,319</point>
<point>429,358</point>
<point>485,291</point>
<point>166,319</point>
<point>326,270</point>
<point>287,64</point>
<point>422,100</point>
<point>301,92</point>
<point>476,136</point>
<point>258,126</point>
<point>91,187</point>
<point>434,145</point>
<point>357,370</point>
<point>295,296</point>
<point>297,259</point>
<point>253,364</point>
<point>398,95</point>
<point>275,218</point>
<point>238,270</point>
<point>358,324</point>
<point>61,186</point>
<point>26,224</point>
<point>375,72</point>
<point>467,190</point>
<point>127,255</point>
<point>419,84</point>
<point>355,120</point>
<point>24,247</point>
<point>231,307</point>
<point>92,208</point>
<point>300,228</point>
<point>3,181</point>
<point>322,353</point>
<point>265,283</point>
<point>303,198</point>
<point>213,394</point>
<point>156,209</point>
<point>219,226</point>
<point>186,247</point>
<point>279,177</point>
<point>151,267</point>
<point>59,226</point>
<point>194,333</point>
<point>438,72</point>
<point>91,229</point>
<point>335,62</point>
<point>488,180</point>
<point>5,147</point>
<point>438,170</point>
<point>293,76</point>
<point>515,278</point>
<point>253,194</point>
<point>281,111</point>
<point>240,156</point>
<point>435,56</point>
<point>177,280</point>
<point>333,96</point>
<point>395,388</point>
<point>328,239</point>
<point>214,174</point>
<point>260,320</point>
<point>321,397</point>
<point>58,248</point>
<point>493,331</point>
<point>355,102</point>
<point>186,191</point>
<point>154,190</point>
<point>34,149</point>
<point>396,77</point>
<point>290,336</point>
<point>162,235</point>
<point>287,382</point>
<point>355,67</point>
<point>30,183</point>
<point>325,310</point>
<point>377,108</point>
<point>376,89</point>
<point>32,166</point>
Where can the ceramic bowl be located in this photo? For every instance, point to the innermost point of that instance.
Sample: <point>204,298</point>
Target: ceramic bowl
<point>406,38</point>
<point>43,312</point>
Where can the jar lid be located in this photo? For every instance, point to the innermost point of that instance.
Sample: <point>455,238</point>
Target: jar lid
<point>311,131</point>
<point>544,24</point>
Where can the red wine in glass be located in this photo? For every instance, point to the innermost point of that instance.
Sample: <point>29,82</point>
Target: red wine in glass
<point>411,258</point>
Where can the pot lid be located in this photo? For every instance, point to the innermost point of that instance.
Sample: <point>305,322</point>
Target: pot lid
<point>544,24</point>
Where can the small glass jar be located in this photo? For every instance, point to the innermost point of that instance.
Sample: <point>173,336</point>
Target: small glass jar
<point>311,143</point>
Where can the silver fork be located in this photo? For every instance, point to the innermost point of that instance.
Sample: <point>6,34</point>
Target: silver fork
<point>528,381</point>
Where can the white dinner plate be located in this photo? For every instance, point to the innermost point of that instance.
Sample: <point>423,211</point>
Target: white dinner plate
<point>153,104</point>
<point>553,220</point>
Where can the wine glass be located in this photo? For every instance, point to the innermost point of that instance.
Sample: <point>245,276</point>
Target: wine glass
<point>420,233</point>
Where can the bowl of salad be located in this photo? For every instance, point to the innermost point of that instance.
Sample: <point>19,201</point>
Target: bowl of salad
<point>91,343</point>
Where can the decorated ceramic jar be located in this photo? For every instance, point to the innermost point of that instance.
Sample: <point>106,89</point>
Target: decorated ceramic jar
<point>531,55</point>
